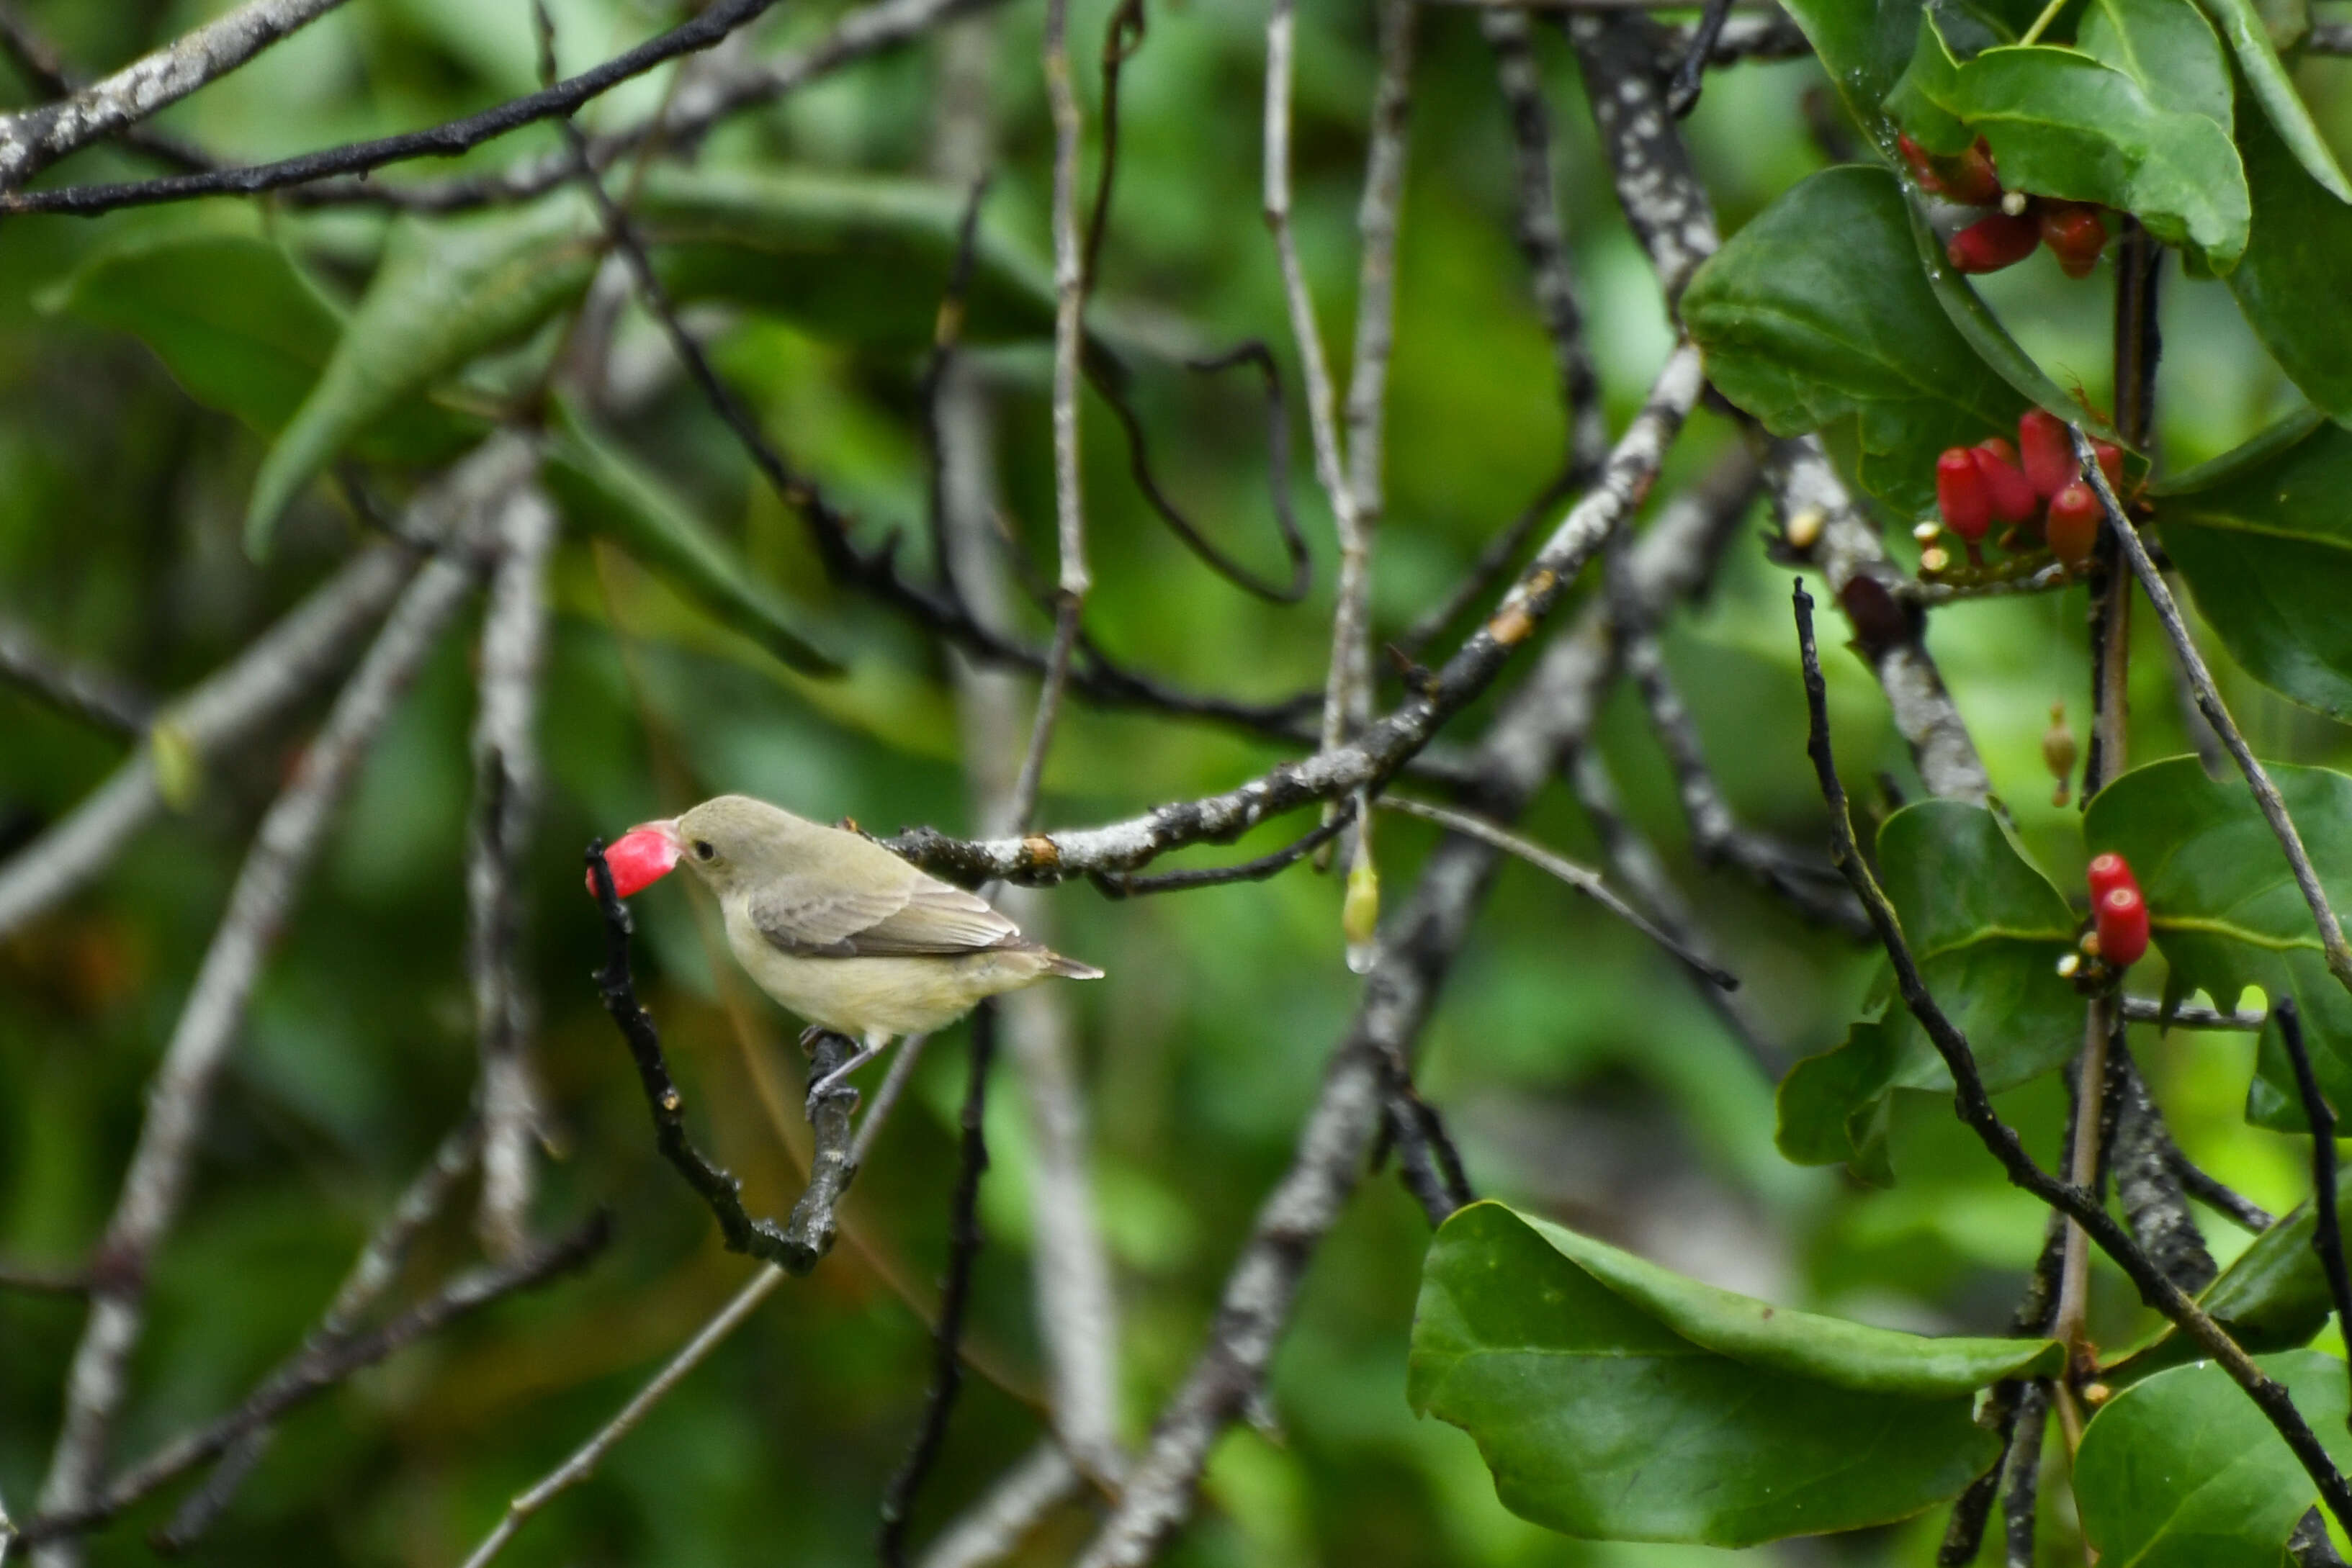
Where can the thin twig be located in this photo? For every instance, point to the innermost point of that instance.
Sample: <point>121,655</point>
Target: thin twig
<point>1125,885</point>
<point>2148,1188</point>
<point>1698,52</point>
<point>1974,1106</point>
<point>955,1297</point>
<point>584,1460</point>
<point>2327,1234</point>
<point>991,1529</point>
<point>444,141</point>
<point>93,696</point>
<point>1585,880</point>
<point>2231,1205</point>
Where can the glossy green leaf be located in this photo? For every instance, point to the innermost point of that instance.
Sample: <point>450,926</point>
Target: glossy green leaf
<point>2167,48</point>
<point>2224,908</point>
<point>2061,123</point>
<point>2264,539</point>
<point>1987,930</point>
<point>857,257</point>
<point>605,492</point>
<point>2183,1471</point>
<point>1818,315</point>
<point>1866,45</point>
<point>2241,23</point>
<point>2274,1297</point>
<point>445,294</point>
<point>1614,1400</point>
<point>2290,285</point>
<point>240,329</point>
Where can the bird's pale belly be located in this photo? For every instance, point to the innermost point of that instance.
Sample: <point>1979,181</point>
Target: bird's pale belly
<point>861,997</point>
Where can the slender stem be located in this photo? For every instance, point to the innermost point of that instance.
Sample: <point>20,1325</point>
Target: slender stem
<point>2327,1234</point>
<point>2049,14</point>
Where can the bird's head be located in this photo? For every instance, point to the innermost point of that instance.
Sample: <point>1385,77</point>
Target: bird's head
<point>725,841</point>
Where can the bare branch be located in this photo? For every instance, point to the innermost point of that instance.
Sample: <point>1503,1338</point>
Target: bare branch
<point>2327,1232</point>
<point>1043,858</point>
<point>505,806</point>
<point>284,848</point>
<point>222,715</point>
<point>32,138</point>
<point>991,1529</point>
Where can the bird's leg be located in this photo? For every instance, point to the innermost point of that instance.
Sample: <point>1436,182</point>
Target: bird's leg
<point>874,1044</point>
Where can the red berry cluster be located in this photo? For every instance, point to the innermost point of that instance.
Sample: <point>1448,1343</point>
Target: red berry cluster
<point>1994,482</point>
<point>2118,912</point>
<point>2073,230</point>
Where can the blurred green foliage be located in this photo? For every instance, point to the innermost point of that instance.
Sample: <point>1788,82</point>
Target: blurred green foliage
<point>1583,1077</point>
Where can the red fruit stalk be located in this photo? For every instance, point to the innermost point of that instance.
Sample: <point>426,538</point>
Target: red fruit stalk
<point>1992,243</point>
<point>1962,495</point>
<point>2120,917</point>
<point>2005,484</point>
<point>639,858</point>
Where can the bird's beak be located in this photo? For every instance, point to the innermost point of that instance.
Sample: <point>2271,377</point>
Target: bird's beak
<point>641,856</point>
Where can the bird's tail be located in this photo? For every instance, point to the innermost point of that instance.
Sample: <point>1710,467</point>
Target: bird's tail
<point>1070,969</point>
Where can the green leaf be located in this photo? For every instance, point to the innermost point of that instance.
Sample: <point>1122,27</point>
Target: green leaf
<point>2241,22</point>
<point>2274,1297</point>
<point>2290,285</point>
<point>1989,930</point>
<point>2264,540</point>
<point>860,257</point>
<point>2167,48</point>
<point>1866,45</point>
<point>240,329</point>
<point>1816,314</point>
<point>606,493</point>
<point>1614,1400</point>
<point>2062,124</point>
<point>2224,908</point>
<point>445,294</point>
<point>2183,1471</point>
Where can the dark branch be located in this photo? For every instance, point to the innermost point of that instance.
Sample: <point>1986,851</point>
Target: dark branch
<point>2327,1233</point>
<point>797,1246</point>
<point>955,1297</point>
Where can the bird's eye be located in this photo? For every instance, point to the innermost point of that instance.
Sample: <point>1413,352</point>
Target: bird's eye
<point>703,852</point>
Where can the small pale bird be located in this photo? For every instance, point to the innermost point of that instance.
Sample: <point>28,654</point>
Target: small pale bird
<point>834,926</point>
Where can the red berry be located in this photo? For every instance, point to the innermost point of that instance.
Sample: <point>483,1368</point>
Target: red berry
<point>2048,451</point>
<point>1992,243</point>
<point>2120,917</point>
<point>1971,178</point>
<point>2109,872</point>
<point>2071,527</point>
<point>2110,462</point>
<point>639,858</point>
<point>2011,497</point>
<point>2075,235</point>
<point>1961,493</point>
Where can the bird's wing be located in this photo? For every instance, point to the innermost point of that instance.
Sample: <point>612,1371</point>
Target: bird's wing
<point>904,917</point>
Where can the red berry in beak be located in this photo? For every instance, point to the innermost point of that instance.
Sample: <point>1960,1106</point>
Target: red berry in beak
<point>1992,243</point>
<point>2075,235</point>
<point>2120,918</point>
<point>2004,484</point>
<point>2048,449</point>
<point>1962,495</point>
<point>639,858</point>
<point>2071,527</point>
